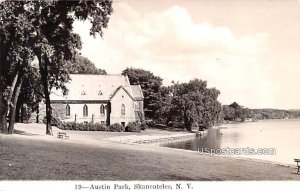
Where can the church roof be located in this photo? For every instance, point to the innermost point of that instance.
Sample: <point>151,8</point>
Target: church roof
<point>137,92</point>
<point>116,91</point>
<point>94,87</point>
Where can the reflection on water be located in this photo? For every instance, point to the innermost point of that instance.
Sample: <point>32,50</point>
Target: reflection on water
<point>212,140</point>
<point>283,135</point>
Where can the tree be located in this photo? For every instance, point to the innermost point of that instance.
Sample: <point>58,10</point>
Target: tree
<point>239,113</point>
<point>15,56</point>
<point>228,113</point>
<point>56,43</point>
<point>82,65</point>
<point>235,112</point>
<point>192,105</point>
<point>150,85</point>
<point>165,105</point>
<point>31,94</point>
<point>47,33</point>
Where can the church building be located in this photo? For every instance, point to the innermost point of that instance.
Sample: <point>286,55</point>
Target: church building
<point>105,99</point>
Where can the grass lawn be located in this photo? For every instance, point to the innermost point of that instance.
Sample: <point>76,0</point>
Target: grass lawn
<point>30,159</point>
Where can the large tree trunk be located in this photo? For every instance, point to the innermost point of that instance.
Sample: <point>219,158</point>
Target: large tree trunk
<point>18,111</point>
<point>48,115</point>
<point>44,75</point>
<point>22,114</point>
<point>5,49</point>
<point>12,113</point>
<point>12,90</point>
<point>3,112</point>
<point>5,105</point>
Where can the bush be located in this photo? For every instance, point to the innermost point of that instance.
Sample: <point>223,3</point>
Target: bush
<point>68,126</point>
<point>116,127</point>
<point>144,125</point>
<point>93,127</point>
<point>98,127</point>
<point>133,127</point>
<point>54,121</point>
<point>176,124</point>
<point>102,127</point>
<point>150,123</point>
<point>82,126</point>
<point>160,126</point>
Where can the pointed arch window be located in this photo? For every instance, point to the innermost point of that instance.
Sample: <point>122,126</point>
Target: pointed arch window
<point>85,110</point>
<point>102,110</point>
<point>68,110</point>
<point>122,109</point>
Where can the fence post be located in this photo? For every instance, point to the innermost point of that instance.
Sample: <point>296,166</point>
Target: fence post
<point>75,117</point>
<point>93,118</point>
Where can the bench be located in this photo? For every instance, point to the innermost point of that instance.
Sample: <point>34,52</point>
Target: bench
<point>298,165</point>
<point>62,135</point>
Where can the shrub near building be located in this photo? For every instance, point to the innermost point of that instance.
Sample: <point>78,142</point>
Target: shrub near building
<point>77,126</point>
<point>116,127</point>
<point>82,126</point>
<point>98,127</point>
<point>133,127</point>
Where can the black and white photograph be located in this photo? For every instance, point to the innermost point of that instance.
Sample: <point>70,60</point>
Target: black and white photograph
<point>149,94</point>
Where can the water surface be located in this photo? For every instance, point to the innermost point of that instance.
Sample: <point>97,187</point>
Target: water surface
<point>283,135</point>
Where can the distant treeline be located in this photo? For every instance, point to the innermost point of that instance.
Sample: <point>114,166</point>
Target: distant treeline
<point>235,112</point>
<point>274,114</point>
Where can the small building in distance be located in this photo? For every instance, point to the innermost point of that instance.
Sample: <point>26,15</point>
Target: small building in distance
<point>105,99</point>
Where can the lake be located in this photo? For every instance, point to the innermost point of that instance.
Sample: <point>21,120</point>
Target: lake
<point>282,135</point>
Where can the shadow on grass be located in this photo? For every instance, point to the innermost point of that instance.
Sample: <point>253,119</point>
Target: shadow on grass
<point>23,133</point>
<point>295,173</point>
<point>163,128</point>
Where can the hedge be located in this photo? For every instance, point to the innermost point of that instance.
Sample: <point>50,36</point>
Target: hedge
<point>83,126</point>
<point>116,127</point>
<point>133,127</point>
<point>77,126</point>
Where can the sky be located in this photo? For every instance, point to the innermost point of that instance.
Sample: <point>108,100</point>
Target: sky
<point>249,50</point>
